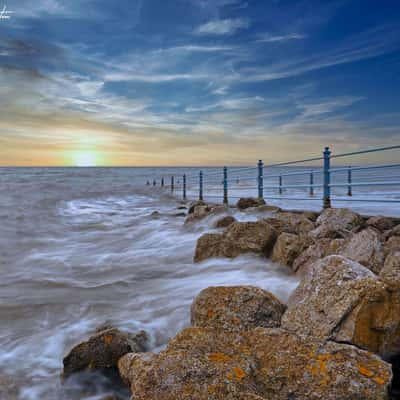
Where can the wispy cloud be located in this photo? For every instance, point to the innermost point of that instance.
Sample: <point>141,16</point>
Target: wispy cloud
<point>268,38</point>
<point>222,26</point>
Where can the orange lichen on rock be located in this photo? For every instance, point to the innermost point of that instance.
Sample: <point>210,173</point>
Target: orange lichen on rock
<point>239,373</point>
<point>218,357</point>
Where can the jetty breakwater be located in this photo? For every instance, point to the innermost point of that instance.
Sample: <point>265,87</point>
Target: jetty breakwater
<point>336,337</point>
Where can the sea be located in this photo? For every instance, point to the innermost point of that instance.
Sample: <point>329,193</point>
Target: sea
<point>80,247</point>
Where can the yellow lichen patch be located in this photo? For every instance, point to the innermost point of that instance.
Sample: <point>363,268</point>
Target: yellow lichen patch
<point>365,371</point>
<point>379,380</point>
<point>218,357</point>
<point>210,313</point>
<point>108,339</point>
<point>239,373</point>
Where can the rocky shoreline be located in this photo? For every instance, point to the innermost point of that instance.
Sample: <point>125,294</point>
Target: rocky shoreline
<point>338,337</point>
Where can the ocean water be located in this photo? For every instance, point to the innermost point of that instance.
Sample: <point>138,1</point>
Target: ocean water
<point>78,248</point>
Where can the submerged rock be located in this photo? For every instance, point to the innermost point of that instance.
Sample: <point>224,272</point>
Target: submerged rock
<point>247,202</point>
<point>340,299</point>
<point>103,350</point>
<point>207,364</point>
<point>337,223</point>
<point>240,237</point>
<point>236,308</point>
<point>202,211</point>
<point>224,222</point>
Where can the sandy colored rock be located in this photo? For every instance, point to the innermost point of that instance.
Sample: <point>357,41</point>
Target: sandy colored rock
<point>247,202</point>
<point>271,364</point>
<point>366,248</point>
<point>317,250</point>
<point>390,272</point>
<point>337,223</point>
<point>288,247</point>
<point>200,211</point>
<point>339,299</point>
<point>224,222</point>
<point>382,223</point>
<point>391,245</point>
<point>102,350</point>
<point>208,245</point>
<point>240,237</point>
<point>289,222</point>
<point>194,205</point>
<point>236,308</point>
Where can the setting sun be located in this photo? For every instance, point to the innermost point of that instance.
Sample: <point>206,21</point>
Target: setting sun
<point>85,159</point>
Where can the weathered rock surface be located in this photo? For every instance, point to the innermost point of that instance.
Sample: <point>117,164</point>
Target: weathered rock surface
<point>382,223</point>
<point>366,248</point>
<point>103,350</point>
<point>240,237</point>
<point>194,205</point>
<point>317,250</point>
<point>291,223</point>
<point>390,272</point>
<point>224,222</point>
<point>201,211</point>
<point>200,364</point>
<point>288,247</point>
<point>391,245</point>
<point>247,202</point>
<point>337,223</point>
<point>236,308</point>
<point>340,299</point>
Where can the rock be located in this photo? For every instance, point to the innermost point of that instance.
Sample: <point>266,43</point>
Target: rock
<point>288,247</point>
<point>181,208</point>
<point>209,245</point>
<point>102,350</point>
<point>194,205</point>
<point>224,222</point>
<point>9,389</point>
<point>240,237</point>
<point>343,301</point>
<point>391,245</point>
<point>390,272</point>
<point>201,211</point>
<point>366,248</point>
<point>155,215</point>
<point>288,222</point>
<point>247,202</point>
<point>337,223</point>
<point>319,249</point>
<point>382,223</point>
<point>182,214</point>
<point>311,215</point>
<point>236,308</point>
<point>204,364</point>
<point>264,208</point>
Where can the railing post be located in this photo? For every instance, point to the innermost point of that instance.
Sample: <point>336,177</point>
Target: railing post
<point>184,186</point>
<point>148,183</point>
<point>349,179</point>
<point>201,185</point>
<point>280,184</point>
<point>154,182</point>
<point>260,179</point>
<point>312,183</point>
<point>172,184</point>
<point>225,184</point>
<point>327,178</point>
<point>162,182</point>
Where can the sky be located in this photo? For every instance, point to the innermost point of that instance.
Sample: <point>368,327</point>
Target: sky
<point>195,82</point>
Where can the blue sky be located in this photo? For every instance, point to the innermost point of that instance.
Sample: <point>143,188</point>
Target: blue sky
<point>178,82</point>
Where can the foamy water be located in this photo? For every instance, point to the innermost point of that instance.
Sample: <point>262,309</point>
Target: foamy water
<point>79,247</point>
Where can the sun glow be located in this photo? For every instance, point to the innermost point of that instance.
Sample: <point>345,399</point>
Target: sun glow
<point>85,159</point>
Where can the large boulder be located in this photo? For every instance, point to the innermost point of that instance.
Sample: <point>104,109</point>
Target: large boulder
<point>339,299</point>
<point>240,237</point>
<point>288,247</point>
<point>224,222</point>
<point>337,223</point>
<point>382,223</point>
<point>201,211</point>
<point>247,202</point>
<point>390,273</point>
<point>289,222</point>
<point>236,308</point>
<point>366,248</point>
<point>317,250</point>
<point>205,364</point>
<point>103,350</point>
<point>391,245</point>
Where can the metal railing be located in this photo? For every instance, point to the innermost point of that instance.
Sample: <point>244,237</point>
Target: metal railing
<point>291,181</point>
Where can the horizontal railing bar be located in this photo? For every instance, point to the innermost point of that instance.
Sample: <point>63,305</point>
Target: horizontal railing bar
<point>341,169</point>
<point>292,186</point>
<point>365,151</point>
<point>365,200</point>
<point>364,184</point>
<point>293,162</point>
